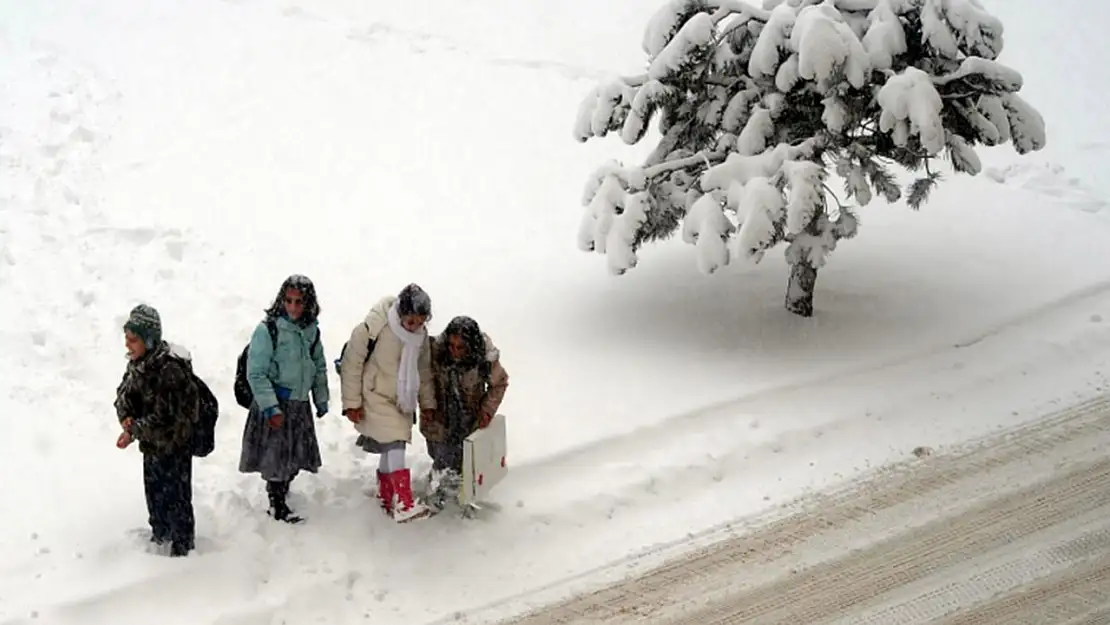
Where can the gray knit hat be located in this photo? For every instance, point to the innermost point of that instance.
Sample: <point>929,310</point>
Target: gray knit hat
<point>145,323</point>
<point>413,300</point>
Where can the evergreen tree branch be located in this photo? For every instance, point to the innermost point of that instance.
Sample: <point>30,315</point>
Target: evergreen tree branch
<point>836,199</point>
<point>668,144</point>
<point>960,96</point>
<point>704,157</point>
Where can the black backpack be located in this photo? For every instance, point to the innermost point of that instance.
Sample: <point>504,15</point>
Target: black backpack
<point>244,396</point>
<point>208,412</point>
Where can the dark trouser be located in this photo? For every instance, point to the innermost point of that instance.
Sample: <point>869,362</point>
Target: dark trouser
<point>168,480</point>
<point>278,489</point>
<point>446,456</point>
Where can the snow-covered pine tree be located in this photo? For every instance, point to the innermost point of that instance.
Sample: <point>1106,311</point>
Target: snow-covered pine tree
<point>757,107</point>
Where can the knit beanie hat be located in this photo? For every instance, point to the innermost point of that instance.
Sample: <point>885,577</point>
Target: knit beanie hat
<point>413,300</point>
<point>145,323</point>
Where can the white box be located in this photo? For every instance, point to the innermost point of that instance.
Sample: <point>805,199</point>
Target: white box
<point>484,462</point>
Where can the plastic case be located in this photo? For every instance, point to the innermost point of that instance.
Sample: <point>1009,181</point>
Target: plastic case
<point>484,462</point>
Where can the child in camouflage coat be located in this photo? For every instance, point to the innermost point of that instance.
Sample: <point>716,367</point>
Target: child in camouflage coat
<point>157,405</point>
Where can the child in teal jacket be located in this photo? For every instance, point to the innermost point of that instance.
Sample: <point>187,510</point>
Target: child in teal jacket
<point>285,365</point>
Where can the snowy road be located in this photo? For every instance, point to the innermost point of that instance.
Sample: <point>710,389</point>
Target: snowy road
<point>1014,529</point>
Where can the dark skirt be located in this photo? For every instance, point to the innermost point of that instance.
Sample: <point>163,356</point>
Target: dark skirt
<point>280,454</point>
<point>372,446</point>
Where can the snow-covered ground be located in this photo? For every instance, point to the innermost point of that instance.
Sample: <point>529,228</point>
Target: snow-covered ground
<point>193,154</point>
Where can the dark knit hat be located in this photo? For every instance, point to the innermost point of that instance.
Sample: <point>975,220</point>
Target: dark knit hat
<point>413,300</point>
<point>145,323</point>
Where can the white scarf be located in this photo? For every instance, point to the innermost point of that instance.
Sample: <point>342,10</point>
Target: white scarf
<point>408,373</point>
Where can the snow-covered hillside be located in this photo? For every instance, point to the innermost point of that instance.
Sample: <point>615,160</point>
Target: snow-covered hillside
<point>192,154</point>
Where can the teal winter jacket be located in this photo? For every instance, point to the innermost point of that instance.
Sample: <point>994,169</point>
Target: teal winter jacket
<point>287,371</point>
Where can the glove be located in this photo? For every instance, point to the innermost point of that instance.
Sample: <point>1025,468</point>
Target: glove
<point>321,409</point>
<point>354,415</point>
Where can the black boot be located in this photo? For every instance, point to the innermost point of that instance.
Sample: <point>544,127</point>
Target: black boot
<point>279,509</point>
<point>180,549</point>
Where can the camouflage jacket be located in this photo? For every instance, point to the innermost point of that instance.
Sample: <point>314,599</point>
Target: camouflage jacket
<point>463,394</point>
<point>159,395</point>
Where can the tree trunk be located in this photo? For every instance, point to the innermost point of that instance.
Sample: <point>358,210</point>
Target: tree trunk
<point>799,292</point>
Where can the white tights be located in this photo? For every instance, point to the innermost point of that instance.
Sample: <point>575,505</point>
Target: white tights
<point>392,460</point>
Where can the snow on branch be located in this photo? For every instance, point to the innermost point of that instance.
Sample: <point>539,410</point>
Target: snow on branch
<point>708,229</point>
<point>604,109</point>
<point>751,111</point>
<point>963,156</point>
<point>668,21</point>
<point>647,100</point>
<point>827,48</point>
<point>764,210</point>
<point>692,39</point>
<point>1027,129</point>
<point>742,168</point>
<point>983,75</point>
<point>956,29</point>
<point>885,38</point>
<point>622,234</point>
<point>805,182</point>
<point>773,43</point>
<point>993,110</point>
<point>912,106</point>
<point>693,160</point>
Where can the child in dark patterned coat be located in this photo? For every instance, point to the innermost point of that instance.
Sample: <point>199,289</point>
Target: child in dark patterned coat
<point>157,405</point>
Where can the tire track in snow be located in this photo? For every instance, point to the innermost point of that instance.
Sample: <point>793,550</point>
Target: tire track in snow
<point>840,586</point>
<point>1009,577</point>
<point>1066,597</point>
<point>721,583</point>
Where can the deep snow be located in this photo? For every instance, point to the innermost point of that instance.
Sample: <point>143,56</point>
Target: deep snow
<point>193,154</point>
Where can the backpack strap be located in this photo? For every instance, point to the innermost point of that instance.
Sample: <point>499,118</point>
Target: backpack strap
<point>371,341</point>
<point>315,342</point>
<point>271,325</point>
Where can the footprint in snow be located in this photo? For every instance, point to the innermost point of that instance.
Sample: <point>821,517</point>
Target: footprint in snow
<point>82,134</point>
<point>300,13</point>
<point>137,236</point>
<point>175,247</point>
